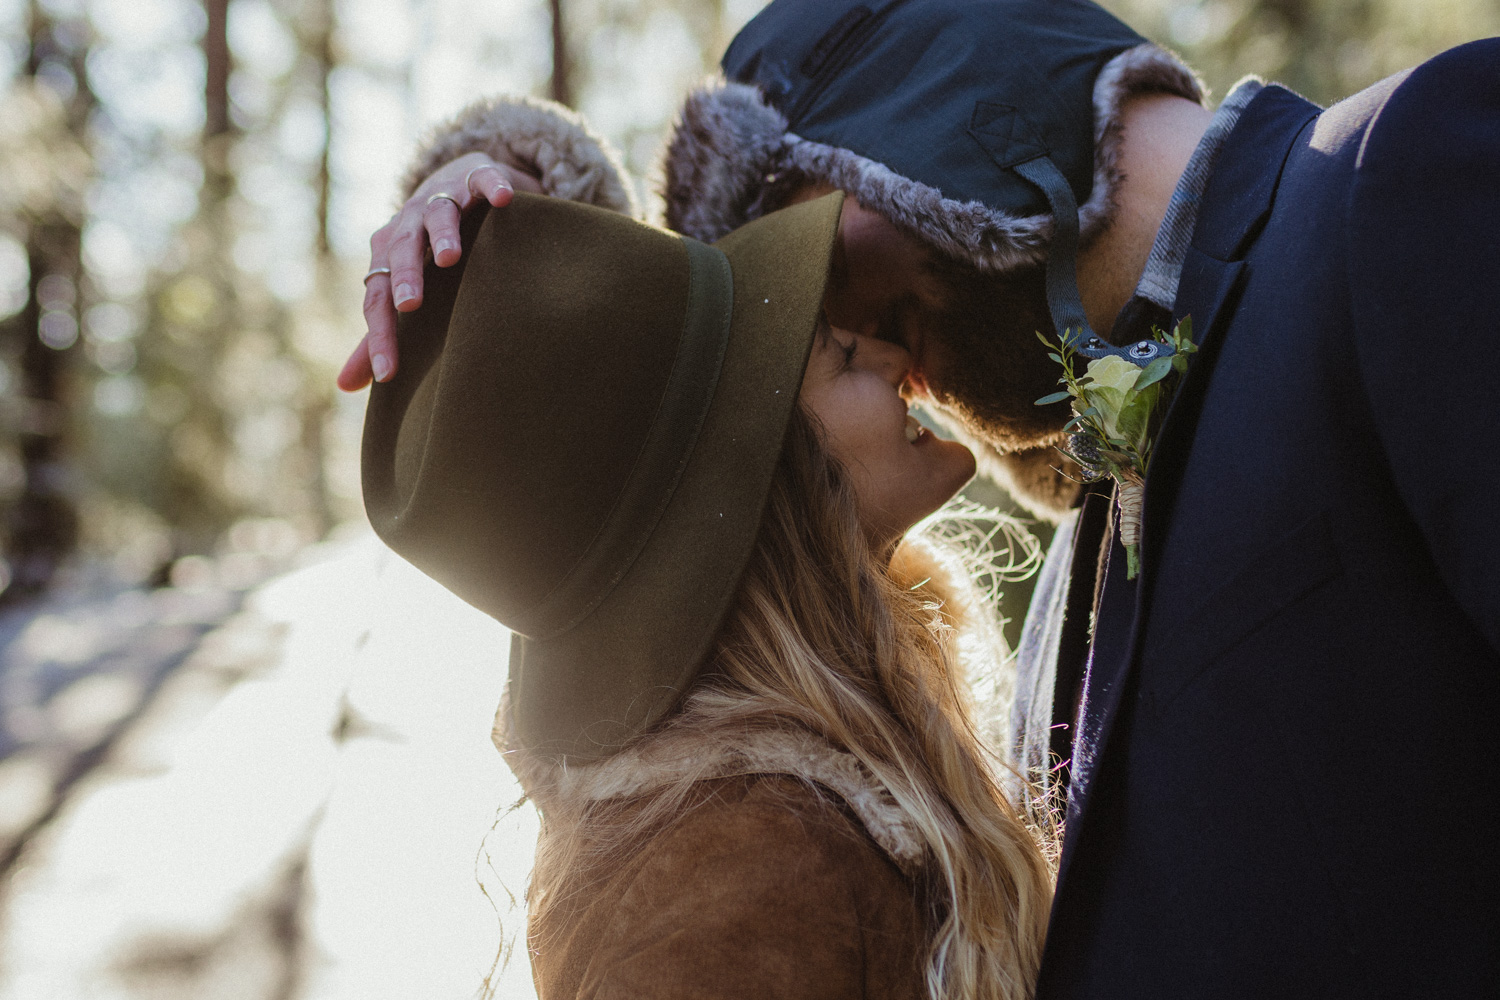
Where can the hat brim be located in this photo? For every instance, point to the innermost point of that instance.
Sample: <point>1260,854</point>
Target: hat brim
<point>585,694</point>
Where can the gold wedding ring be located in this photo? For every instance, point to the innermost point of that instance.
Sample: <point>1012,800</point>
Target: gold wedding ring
<point>376,270</point>
<point>443,194</point>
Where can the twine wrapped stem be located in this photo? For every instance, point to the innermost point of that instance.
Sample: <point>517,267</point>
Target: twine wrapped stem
<point>1130,494</point>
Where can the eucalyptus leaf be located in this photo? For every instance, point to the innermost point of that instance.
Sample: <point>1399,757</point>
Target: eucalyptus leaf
<point>1133,417</point>
<point>1056,397</point>
<point>1154,373</point>
<point>1131,427</point>
<point>1055,357</point>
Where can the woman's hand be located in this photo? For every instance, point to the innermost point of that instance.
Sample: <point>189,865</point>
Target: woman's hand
<point>399,248</point>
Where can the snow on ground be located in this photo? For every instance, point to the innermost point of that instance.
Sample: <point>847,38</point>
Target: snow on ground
<point>307,808</point>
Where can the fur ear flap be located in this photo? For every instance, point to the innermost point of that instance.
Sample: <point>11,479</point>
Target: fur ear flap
<point>542,137</point>
<point>724,147</point>
<point>1145,69</point>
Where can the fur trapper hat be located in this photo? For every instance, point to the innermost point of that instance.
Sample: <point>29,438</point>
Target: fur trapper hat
<point>771,120</point>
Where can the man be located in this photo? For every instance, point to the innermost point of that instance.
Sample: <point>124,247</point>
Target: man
<point>1282,774</point>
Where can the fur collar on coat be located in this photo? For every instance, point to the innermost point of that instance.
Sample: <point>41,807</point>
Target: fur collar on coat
<point>663,757</point>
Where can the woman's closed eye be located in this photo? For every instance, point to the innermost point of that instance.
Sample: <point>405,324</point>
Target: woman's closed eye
<point>849,350</point>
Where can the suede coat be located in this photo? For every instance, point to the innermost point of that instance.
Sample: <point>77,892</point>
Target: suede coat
<point>788,872</point>
<point>764,888</point>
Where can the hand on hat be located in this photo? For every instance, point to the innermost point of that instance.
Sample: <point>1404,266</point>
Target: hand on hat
<point>398,250</point>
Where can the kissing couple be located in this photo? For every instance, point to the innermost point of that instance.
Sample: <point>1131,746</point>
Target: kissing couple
<point>1252,747</point>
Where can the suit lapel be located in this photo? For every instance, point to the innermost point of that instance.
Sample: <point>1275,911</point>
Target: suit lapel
<point>1235,206</point>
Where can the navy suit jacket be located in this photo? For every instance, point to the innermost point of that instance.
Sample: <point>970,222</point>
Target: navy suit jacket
<point>1288,764</point>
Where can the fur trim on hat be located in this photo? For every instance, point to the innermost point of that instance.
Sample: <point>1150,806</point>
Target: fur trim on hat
<point>664,756</point>
<point>724,148</point>
<point>730,147</point>
<point>540,137</point>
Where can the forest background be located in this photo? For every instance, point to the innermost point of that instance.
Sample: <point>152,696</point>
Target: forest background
<point>212,784</point>
<point>187,188</point>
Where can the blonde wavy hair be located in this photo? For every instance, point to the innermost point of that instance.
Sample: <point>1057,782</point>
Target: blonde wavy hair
<point>868,651</point>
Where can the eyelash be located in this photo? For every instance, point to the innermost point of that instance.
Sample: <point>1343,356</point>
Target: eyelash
<point>849,353</point>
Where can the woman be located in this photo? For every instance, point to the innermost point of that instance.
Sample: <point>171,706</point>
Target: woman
<point>734,696</point>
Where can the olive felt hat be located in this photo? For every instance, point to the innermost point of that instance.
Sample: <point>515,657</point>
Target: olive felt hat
<point>581,440</point>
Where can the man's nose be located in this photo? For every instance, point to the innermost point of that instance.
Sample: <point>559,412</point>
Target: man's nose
<point>891,361</point>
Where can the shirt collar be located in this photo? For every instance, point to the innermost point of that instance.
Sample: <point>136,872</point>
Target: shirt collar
<point>1163,271</point>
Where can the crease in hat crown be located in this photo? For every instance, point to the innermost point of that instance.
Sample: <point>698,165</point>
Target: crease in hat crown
<point>929,112</point>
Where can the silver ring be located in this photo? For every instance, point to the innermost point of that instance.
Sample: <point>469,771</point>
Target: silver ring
<point>483,166</point>
<point>443,194</point>
<point>376,270</point>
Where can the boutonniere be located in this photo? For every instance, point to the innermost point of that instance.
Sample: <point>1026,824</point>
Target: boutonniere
<point>1115,402</point>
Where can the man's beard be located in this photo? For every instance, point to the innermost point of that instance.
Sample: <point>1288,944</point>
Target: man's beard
<point>984,369</point>
<point>981,359</point>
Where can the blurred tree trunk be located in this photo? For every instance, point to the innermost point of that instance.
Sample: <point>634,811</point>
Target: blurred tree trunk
<point>202,304</point>
<point>217,126</point>
<point>318,40</point>
<point>560,88</point>
<point>41,526</point>
<point>317,403</point>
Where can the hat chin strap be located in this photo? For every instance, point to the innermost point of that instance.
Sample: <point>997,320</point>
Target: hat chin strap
<point>1063,301</point>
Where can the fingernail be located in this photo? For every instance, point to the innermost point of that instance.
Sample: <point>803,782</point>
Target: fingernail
<point>443,246</point>
<point>382,367</point>
<point>404,293</point>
